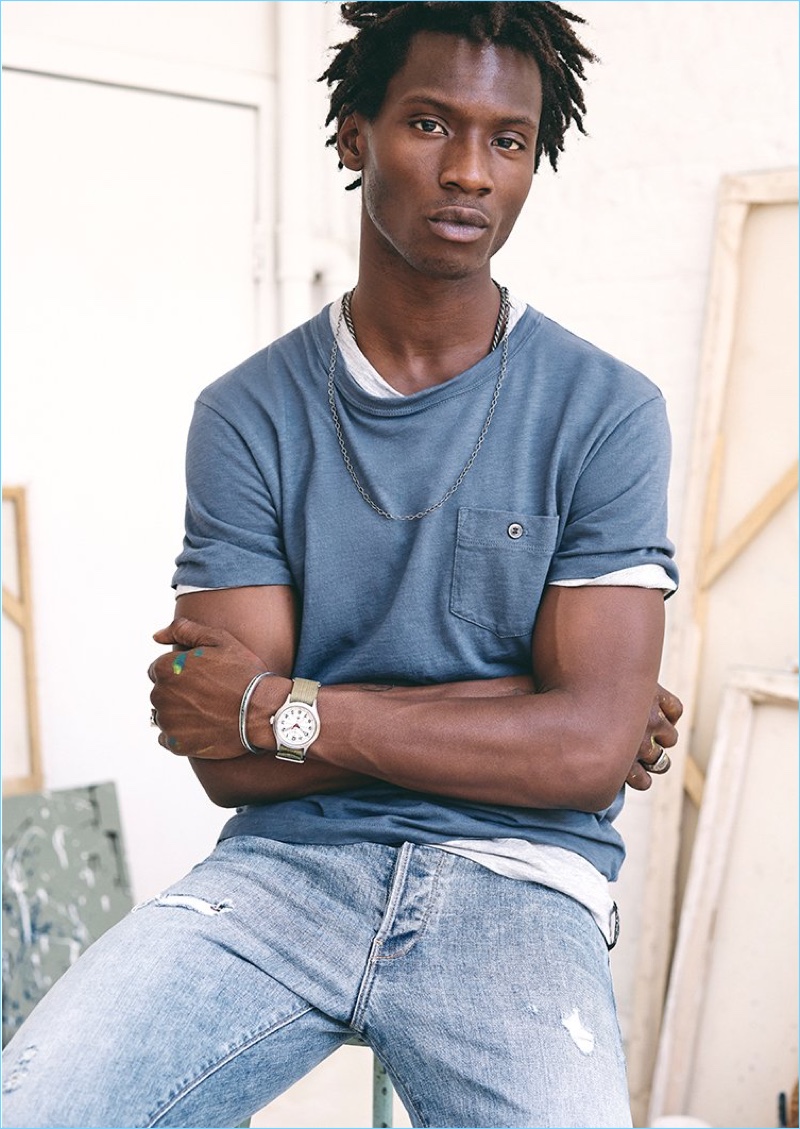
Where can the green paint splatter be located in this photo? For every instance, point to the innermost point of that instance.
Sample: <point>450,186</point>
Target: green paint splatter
<point>198,651</point>
<point>179,662</point>
<point>172,742</point>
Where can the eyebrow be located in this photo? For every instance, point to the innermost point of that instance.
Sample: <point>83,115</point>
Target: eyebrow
<point>448,108</point>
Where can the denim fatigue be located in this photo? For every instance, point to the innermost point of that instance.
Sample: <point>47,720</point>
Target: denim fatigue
<point>489,1000</point>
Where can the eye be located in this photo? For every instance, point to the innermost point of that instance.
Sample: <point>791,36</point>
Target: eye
<point>509,144</point>
<point>428,125</point>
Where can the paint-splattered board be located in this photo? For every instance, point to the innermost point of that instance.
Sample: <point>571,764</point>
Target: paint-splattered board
<point>64,883</point>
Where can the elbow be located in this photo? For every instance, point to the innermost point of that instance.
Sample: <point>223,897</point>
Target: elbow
<point>219,782</point>
<point>597,778</point>
<point>223,797</point>
<point>597,800</point>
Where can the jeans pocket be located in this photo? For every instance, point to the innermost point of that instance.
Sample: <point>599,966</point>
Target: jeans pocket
<point>501,563</point>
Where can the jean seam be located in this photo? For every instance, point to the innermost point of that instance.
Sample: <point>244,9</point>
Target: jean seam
<point>375,958</point>
<point>395,892</point>
<point>423,924</point>
<point>250,1042</point>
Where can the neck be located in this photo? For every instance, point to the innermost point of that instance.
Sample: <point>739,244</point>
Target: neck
<point>418,331</point>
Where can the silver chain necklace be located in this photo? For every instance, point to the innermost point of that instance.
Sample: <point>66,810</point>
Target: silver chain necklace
<point>498,335</point>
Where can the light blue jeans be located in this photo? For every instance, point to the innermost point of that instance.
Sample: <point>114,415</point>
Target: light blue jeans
<point>489,1000</point>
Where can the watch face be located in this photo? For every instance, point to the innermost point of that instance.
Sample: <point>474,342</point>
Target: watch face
<point>296,726</point>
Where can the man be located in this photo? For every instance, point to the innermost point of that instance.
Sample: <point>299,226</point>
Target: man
<point>419,625</point>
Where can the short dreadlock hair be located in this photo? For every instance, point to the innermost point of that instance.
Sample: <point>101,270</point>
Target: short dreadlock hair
<point>364,65</point>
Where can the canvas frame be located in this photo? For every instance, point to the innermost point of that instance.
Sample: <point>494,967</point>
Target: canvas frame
<point>20,700</point>
<point>701,563</point>
<point>723,794</point>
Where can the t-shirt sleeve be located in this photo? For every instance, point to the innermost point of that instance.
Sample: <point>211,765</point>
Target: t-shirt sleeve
<point>617,516</point>
<point>233,536</point>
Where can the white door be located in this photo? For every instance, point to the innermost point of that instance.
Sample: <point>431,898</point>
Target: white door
<point>128,270</point>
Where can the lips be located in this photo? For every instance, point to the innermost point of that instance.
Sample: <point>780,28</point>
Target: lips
<point>459,225</point>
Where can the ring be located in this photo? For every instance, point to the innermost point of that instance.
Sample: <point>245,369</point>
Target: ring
<point>154,717</point>
<point>660,764</point>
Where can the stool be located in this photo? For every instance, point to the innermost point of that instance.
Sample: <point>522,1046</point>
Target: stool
<point>382,1093</point>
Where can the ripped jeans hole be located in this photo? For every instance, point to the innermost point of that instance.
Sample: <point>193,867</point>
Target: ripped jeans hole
<point>581,1036</point>
<point>14,1079</point>
<point>188,901</point>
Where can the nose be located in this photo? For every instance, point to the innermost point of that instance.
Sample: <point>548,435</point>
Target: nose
<point>466,166</point>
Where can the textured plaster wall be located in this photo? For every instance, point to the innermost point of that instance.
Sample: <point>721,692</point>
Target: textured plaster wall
<point>617,244</point>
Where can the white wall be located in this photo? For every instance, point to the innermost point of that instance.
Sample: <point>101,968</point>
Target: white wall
<point>229,35</point>
<point>616,246</point>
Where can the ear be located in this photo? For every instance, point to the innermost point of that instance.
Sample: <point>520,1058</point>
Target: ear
<point>349,143</point>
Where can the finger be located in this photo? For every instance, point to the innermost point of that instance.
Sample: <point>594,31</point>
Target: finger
<point>665,733</point>
<point>654,759</point>
<point>187,633</point>
<point>662,732</point>
<point>654,753</point>
<point>646,749</point>
<point>162,667</point>
<point>671,705</point>
<point>171,744</point>
<point>638,777</point>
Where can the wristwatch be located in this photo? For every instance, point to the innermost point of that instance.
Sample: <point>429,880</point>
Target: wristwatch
<point>296,723</point>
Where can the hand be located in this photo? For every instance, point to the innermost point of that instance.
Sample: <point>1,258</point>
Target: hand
<point>197,690</point>
<point>660,734</point>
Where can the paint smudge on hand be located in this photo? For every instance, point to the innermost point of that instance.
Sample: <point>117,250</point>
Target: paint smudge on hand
<point>179,662</point>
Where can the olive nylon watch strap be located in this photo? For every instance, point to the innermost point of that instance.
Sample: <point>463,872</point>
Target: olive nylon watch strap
<point>304,690</point>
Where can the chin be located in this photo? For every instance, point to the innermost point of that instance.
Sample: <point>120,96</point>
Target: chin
<point>447,268</point>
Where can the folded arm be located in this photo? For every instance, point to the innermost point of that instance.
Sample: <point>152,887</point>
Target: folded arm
<point>571,743</point>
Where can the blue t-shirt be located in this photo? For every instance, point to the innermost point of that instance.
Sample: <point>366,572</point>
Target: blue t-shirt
<point>577,454</point>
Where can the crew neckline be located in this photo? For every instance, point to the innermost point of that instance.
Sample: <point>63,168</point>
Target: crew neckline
<point>351,365</point>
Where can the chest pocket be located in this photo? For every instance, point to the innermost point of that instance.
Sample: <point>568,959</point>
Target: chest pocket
<point>501,562</point>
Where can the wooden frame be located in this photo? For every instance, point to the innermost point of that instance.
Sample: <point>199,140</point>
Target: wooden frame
<point>702,562</point>
<point>18,610</point>
<point>723,793</point>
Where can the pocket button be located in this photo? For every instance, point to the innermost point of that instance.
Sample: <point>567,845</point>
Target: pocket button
<point>515,531</point>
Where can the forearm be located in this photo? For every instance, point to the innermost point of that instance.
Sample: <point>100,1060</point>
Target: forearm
<point>251,779</point>
<point>595,657</point>
<point>571,743</point>
<point>498,745</point>
<point>523,751</point>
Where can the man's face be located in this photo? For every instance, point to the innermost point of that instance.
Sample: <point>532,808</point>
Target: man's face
<point>447,163</point>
